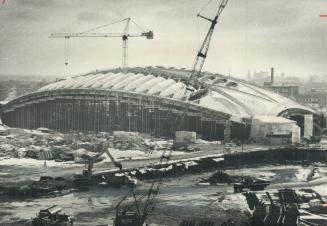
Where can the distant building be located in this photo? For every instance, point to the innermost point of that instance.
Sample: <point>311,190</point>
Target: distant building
<point>316,87</point>
<point>285,90</point>
<point>258,78</point>
<point>313,99</point>
<point>262,78</point>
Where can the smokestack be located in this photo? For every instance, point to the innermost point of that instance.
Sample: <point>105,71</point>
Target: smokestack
<point>272,76</point>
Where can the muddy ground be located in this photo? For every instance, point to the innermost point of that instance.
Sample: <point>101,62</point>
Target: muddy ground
<point>180,198</point>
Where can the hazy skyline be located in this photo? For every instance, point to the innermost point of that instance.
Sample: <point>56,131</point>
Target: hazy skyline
<point>251,34</point>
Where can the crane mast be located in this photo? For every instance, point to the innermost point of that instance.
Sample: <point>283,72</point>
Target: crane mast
<point>125,46</point>
<point>202,53</point>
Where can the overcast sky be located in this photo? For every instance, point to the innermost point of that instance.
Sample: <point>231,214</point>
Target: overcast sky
<point>251,34</point>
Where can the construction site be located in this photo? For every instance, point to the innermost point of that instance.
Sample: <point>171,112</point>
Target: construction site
<point>137,146</point>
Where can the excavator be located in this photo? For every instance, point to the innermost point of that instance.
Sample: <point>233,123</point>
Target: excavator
<point>87,178</point>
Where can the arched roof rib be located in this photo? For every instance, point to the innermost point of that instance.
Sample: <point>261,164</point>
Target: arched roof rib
<point>138,81</point>
<point>124,81</point>
<point>91,81</point>
<point>112,81</point>
<point>99,82</point>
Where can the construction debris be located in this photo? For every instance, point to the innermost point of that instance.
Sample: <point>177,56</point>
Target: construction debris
<point>286,207</point>
<point>3,129</point>
<point>184,139</point>
<point>127,140</point>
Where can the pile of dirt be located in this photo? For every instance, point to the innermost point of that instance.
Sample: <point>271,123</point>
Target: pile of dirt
<point>221,177</point>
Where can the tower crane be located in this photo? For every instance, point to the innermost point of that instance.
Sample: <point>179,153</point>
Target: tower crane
<point>125,35</point>
<point>202,53</point>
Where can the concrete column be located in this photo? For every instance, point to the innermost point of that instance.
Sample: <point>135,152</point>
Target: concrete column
<point>308,126</point>
<point>227,132</point>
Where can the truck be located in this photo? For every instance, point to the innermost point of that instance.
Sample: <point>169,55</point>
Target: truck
<point>52,216</point>
<point>251,184</point>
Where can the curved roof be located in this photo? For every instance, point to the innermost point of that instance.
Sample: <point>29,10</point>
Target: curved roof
<point>231,96</point>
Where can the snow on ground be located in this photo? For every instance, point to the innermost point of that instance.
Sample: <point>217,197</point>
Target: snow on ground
<point>200,141</point>
<point>321,189</point>
<point>266,175</point>
<point>302,174</point>
<point>136,154</point>
<point>32,162</point>
<point>128,154</point>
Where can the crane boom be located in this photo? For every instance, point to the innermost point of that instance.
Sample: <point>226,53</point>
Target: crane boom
<point>117,164</point>
<point>202,53</point>
<point>102,148</point>
<point>125,217</point>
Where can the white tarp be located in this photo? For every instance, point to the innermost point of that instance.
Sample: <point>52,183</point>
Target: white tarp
<point>308,126</point>
<point>270,125</point>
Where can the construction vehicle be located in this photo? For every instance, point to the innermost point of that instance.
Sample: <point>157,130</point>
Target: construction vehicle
<point>52,216</point>
<point>125,35</point>
<point>192,84</point>
<point>251,184</point>
<point>87,178</point>
<point>135,213</point>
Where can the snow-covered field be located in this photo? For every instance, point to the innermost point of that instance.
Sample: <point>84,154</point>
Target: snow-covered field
<point>28,162</point>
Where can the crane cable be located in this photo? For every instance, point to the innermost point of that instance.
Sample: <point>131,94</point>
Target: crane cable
<point>115,22</point>
<point>138,26</point>
<point>66,49</point>
<point>205,6</point>
<point>198,22</point>
<point>246,34</point>
<point>66,53</point>
<point>105,25</point>
<point>182,92</point>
